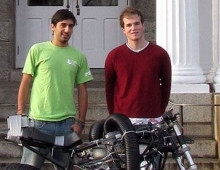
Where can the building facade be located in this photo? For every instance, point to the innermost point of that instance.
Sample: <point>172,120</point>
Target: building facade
<point>188,30</point>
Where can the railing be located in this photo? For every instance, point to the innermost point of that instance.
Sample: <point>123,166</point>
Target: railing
<point>216,120</point>
<point>181,105</point>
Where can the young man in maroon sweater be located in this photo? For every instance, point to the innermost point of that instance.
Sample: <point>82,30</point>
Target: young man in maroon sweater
<point>137,74</point>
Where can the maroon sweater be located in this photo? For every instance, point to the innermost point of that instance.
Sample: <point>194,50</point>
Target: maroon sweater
<point>138,84</point>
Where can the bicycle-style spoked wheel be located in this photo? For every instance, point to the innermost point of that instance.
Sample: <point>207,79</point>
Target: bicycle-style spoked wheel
<point>17,166</point>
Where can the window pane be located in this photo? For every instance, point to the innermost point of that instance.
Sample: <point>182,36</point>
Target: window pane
<point>100,2</point>
<point>45,2</point>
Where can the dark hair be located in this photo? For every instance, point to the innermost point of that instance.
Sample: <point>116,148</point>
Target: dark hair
<point>129,11</point>
<point>61,15</point>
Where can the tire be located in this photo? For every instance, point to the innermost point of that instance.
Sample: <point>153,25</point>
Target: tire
<point>121,123</point>
<point>17,166</point>
<point>97,130</point>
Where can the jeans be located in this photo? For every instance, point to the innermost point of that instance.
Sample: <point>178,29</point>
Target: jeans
<point>59,128</point>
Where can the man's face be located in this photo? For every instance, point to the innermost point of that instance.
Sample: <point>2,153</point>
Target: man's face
<point>133,28</point>
<point>62,31</point>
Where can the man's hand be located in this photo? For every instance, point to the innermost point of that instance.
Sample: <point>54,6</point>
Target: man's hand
<point>77,128</point>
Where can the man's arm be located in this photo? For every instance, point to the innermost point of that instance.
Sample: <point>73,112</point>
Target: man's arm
<point>166,80</point>
<point>23,93</point>
<point>110,79</point>
<point>82,108</point>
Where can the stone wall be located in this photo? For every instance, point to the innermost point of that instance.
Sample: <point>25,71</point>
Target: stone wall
<point>148,8</point>
<point>7,38</point>
<point>7,34</point>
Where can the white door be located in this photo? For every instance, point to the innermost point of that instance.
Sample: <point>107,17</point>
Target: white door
<point>97,32</point>
<point>32,26</point>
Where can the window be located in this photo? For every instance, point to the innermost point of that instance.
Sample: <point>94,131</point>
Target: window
<point>45,2</point>
<point>100,2</point>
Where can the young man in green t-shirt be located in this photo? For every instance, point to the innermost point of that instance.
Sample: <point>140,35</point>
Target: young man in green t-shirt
<point>53,69</point>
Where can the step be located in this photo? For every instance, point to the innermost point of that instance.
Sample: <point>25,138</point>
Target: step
<point>198,125</point>
<point>202,148</point>
<point>97,109</point>
<point>98,74</point>
<point>9,92</point>
<point>202,164</point>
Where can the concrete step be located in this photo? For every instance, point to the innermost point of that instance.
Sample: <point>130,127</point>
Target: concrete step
<point>9,92</point>
<point>97,103</point>
<point>202,164</point>
<point>202,148</point>
<point>99,111</point>
<point>98,74</point>
<point>198,125</point>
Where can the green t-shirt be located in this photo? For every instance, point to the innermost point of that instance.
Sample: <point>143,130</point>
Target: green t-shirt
<point>55,71</point>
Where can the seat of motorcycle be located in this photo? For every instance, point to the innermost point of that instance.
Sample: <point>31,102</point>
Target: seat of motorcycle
<point>33,137</point>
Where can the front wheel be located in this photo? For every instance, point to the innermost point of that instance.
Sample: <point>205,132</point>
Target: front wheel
<point>17,166</point>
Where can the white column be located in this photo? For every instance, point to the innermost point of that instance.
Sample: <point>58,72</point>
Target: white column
<point>177,32</point>
<point>216,41</point>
